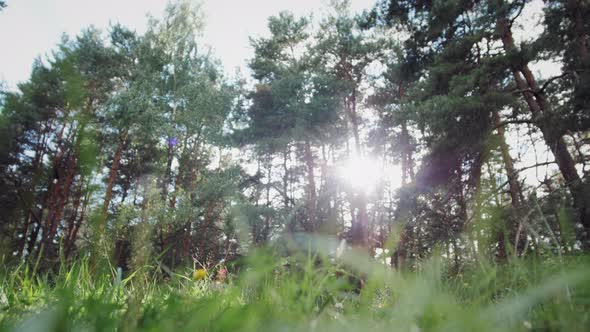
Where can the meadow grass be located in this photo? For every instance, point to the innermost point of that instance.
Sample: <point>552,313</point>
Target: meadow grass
<point>304,292</point>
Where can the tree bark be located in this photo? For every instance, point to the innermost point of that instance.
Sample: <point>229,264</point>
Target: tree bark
<point>311,188</point>
<point>53,186</point>
<point>513,184</point>
<point>575,9</point>
<point>114,171</point>
<point>553,137</point>
<point>60,193</point>
<point>286,154</point>
<point>73,235</point>
<point>407,158</point>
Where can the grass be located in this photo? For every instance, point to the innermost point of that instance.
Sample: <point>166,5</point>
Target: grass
<point>306,292</point>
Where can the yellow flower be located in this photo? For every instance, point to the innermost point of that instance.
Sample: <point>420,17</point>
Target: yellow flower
<point>199,274</point>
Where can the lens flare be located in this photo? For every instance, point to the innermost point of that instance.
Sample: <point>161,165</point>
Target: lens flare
<point>367,174</point>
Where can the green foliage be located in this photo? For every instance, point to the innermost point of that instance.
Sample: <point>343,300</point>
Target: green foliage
<point>306,291</point>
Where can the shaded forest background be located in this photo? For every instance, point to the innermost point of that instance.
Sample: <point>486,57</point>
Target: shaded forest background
<point>128,148</point>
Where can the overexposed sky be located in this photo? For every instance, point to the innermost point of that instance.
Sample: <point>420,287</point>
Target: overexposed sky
<point>30,28</point>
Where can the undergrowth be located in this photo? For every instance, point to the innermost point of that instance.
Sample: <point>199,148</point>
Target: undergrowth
<point>305,292</point>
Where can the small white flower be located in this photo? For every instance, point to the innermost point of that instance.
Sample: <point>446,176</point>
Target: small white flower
<point>339,305</point>
<point>527,324</point>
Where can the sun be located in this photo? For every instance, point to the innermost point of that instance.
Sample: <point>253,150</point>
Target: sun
<point>366,174</point>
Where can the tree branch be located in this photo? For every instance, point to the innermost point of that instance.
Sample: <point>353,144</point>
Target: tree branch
<point>507,122</point>
<point>523,91</point>
<point>541,91</point>
<point>520,9</point>
<point>551,80</point>
<point>535,165</point>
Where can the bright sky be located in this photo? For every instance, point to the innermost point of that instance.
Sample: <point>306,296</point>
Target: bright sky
<point>33,27</point>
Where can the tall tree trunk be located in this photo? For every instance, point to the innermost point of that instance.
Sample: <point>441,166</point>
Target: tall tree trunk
<point>552,135</point>
<point>60,194</point>
<point>359,229</point>
<point>53,186</point>
<point>29,195</point>
<point>64,193</point>
<point>63,198</point>
<point>354,121</point>
<point>407,158</point>
<point>71,223</point>
<point>111,182</point>
<point>286,154</point>
<point>576,10</point>
<point>513,184</point>
<point>73,235</point>
<point>33,238</point>
<point>184,156</point>
<point>267,218</point>
<point>311,188</point>
<point>515,191</point>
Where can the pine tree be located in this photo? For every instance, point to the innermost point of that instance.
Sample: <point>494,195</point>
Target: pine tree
<point>292,105</point>
<point>345,52</point>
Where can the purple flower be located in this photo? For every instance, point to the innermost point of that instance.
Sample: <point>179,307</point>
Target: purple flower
<point>172,141</point>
